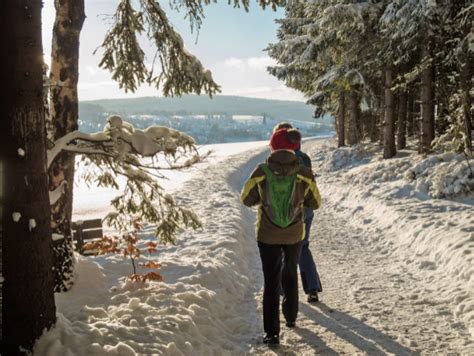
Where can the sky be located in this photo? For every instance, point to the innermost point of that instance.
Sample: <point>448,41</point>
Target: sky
<point>230,43</point>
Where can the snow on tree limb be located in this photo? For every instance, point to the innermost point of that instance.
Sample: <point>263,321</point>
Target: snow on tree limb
<point>64,141</point>
<point>120,138</point>
<point>117,151</point>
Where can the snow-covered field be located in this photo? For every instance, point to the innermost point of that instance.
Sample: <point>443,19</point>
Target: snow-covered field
<point>396,264</point>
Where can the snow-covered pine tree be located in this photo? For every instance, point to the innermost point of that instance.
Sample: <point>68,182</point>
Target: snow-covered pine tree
<point>411,31</point>
<point>454,77</point>
<point>389,62</point>
<point>27,279</point>
<point>331,46</point>
<point>324,50</point>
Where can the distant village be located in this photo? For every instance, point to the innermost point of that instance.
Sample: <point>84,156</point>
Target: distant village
<point>219,128</point>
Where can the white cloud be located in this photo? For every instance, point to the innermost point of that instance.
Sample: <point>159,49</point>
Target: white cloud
<point>249,63</point>
<point>260,63</point>
<point>248,76</point>
<point>233,62</point>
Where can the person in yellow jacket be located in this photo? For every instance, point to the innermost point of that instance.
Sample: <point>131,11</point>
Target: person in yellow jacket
<point>281,188</point>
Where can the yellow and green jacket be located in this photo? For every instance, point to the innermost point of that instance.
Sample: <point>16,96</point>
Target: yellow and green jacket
<point>306,194</point>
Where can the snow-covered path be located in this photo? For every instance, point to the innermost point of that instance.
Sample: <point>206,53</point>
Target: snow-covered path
<point>207,304</point>
<point>374,302</point>
<point>377,299</point>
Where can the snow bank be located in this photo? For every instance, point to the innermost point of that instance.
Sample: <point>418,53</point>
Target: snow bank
<point>398,199</point>
<point>446,175</point>
<point>443,175</point>
<point>344,157</point>
<point>206,304</point>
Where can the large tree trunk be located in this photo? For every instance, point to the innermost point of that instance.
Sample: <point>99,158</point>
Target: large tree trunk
<point>427,107</point>
<point>340,121</point>
<point>466,83</point>
<point>27,296</point>
<point>64,119</point>
<point>402,120</point>
<point>353,117</point>
<point>389,149</point>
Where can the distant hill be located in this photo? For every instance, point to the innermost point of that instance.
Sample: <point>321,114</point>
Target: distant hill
<point>193,104</point>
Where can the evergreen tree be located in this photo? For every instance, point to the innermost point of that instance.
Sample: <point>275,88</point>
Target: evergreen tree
<point>419,51</point>
<point>322,52</point>
<point>454,76</point>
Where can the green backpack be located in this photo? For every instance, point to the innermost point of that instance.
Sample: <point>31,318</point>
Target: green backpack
<point>280,190</point>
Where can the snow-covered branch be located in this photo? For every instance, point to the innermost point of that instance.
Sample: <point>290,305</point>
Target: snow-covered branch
<point>116,152</point>
<point>66,140</point>
<point>120,138</point>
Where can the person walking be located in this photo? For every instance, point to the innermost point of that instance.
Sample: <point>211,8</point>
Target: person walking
<point>280,188</point>
<point>308,271</point>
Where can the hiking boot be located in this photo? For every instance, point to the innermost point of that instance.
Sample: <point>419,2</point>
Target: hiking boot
<point>291,324</point>
<point>313,297</point>
<point>271,340</point>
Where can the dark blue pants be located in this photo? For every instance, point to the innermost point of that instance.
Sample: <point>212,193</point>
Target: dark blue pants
<point>308,271</point>
<point>279,263</point>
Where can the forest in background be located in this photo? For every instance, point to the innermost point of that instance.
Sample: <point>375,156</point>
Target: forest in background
<point>387,70</point>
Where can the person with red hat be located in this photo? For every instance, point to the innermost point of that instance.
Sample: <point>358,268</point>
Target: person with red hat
<point>281,188</point>
<point>308,271</point>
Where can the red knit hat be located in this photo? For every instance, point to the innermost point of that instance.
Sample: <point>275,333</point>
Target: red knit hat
<point>285,139</point>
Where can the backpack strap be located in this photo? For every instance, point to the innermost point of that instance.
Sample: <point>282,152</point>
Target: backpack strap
<point>266,170</point>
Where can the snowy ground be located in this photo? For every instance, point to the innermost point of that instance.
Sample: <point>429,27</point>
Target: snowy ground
<point>396,267</point>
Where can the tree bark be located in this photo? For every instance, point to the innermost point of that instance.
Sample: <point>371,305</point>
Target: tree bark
<point>353,117</point>
<point>427,106</point>
<point>64,109</point>
<point>340,121</point>
<point>389,149</point>
<point>466,83</point>
<point>402,121</point>
<point>27,290</point>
